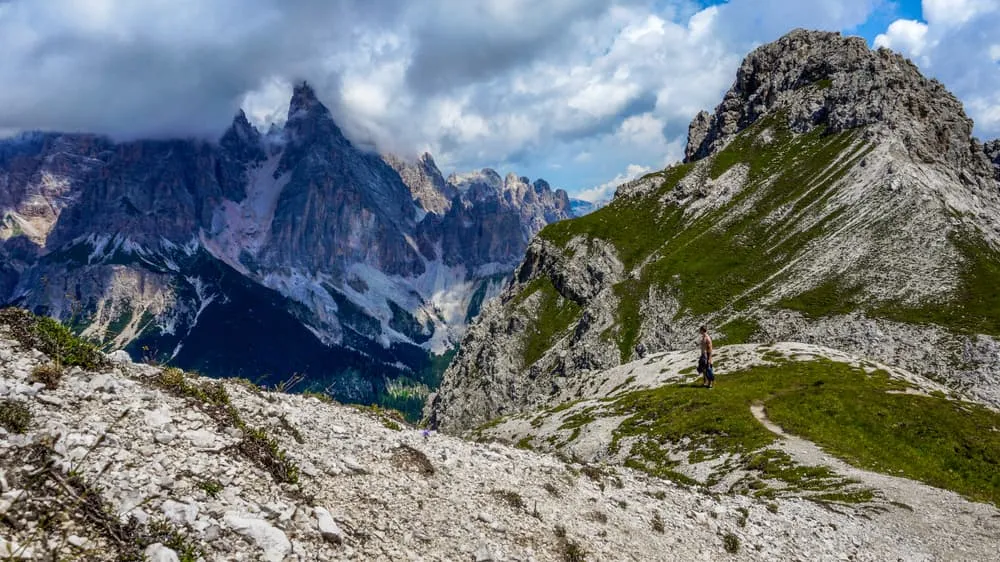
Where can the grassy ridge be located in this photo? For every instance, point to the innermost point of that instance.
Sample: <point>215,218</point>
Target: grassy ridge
<point>859,418</point>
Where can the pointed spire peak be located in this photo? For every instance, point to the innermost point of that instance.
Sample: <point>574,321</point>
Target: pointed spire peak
<point>304,100</point>
<point>241,129</point>
<point>240,120</point>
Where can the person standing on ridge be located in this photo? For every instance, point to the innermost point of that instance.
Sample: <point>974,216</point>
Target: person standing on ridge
<point>705,361</point>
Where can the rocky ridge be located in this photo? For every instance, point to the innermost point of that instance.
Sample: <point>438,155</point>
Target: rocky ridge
<point>147,452</point>
<point>835,197</point>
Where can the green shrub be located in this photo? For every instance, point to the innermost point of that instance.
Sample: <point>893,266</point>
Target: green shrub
<point>52,338</point>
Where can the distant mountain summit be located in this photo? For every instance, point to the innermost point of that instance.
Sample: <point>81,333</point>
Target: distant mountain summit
<point>263,255</point>
<point>836,197</point>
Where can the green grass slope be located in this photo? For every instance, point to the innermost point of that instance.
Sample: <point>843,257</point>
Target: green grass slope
<point>720,263</point>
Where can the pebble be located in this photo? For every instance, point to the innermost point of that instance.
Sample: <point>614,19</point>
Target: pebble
<point>327,526</point>
<point>158,553</point>
<point>272,541</point>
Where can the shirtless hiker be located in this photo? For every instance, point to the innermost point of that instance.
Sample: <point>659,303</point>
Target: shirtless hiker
<point>705,361</point>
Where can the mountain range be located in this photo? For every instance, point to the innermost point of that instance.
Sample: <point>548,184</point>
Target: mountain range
<point>264,255</point>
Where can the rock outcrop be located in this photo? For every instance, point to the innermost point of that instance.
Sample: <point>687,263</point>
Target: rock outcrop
<point>992,150</point>
<point>824,79</point>
<point>835,197</point>
<point>429,189</point>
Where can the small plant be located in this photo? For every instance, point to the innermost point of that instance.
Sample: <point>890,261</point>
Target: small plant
<point>598,517</point>
<point>291,429</point>
<point>509,497</point>
<point>551,489</point>
<point>572,551</point>
<point>321,396</point>
<point>731,543</point>
<point>772,507</point>
<point>211,487</point>
<point>259,446</point>
<point>288,384</point>
<point>391,424</point>
<point>409,457</point>
<point>658,523</point>
<point>560,531</point>
<point>51,338</point>
<point>48,374</point>
<point>14,416</point>
<point>744,515</point>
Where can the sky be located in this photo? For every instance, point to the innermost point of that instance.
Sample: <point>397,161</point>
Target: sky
<point>584,93</point>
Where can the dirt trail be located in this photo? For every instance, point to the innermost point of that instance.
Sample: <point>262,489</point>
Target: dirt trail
<point>911,504</point>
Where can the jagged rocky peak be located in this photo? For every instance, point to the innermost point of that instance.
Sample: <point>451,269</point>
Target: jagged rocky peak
<point>243,140</point>
<point>304,101</point>
<point>824,79</point>
<point>487,178</point>
<point>429,188</point>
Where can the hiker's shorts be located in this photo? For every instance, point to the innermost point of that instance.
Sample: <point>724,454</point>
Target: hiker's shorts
<point>705,368</point>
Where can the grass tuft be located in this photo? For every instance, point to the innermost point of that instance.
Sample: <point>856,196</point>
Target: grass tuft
<point>14,416</point>
<point>48,374</point>
<point>731,543</point>
<point>509,497</point>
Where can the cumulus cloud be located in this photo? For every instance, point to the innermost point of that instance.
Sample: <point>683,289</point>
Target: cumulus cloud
<point>959,46</point>
<point>575,91</point>
<point>606,190</point>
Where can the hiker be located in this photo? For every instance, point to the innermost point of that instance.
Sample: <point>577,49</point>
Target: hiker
<point>705,361</point>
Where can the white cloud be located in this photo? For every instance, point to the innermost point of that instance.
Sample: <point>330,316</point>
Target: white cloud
<point>909,36</point>
<point>606,190</point>
<point>956,12</point>
<point>581,89</point>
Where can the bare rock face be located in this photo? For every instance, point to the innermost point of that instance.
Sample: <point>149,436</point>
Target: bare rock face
<point>428,187</point>
<point>824,79</point>
<point>992,150</point>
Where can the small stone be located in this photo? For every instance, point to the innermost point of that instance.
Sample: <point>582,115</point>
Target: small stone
<point>200,438</point>
<point>158,553</point>
<point>352,464</point>
<point>180,513</point>
<point>268,538</point>
<point>119,357</point>
<point>212,532</point>
<point>327,526</point>
<point>78,542</point>
<point>164,437</point>
<point>485,517</point>
<point>158,417</point>
<point>50,400</point>
<point>484,554</point>
<point>12,550</point>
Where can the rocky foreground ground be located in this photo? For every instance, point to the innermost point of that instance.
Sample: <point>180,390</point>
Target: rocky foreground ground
<point>132,460</point>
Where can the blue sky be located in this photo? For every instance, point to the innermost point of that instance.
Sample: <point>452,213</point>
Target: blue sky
<point>583,93</point>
